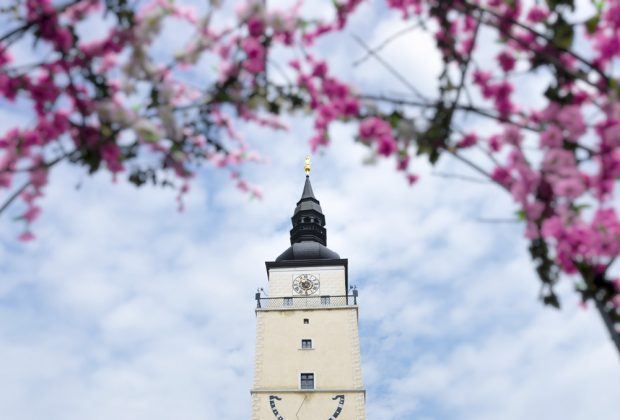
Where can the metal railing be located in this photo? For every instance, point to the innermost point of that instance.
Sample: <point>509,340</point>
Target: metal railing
<point>301,302</point>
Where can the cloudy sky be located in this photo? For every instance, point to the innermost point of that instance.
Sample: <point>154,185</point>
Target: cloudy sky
<point>125,309</point>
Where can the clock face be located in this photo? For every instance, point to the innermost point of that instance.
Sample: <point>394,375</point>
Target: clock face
<point>306,284</point>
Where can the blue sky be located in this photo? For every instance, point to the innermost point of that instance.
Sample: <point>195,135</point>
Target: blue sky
<point>124,308</point>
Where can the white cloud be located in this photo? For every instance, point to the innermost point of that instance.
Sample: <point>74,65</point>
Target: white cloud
<point>125,309</point>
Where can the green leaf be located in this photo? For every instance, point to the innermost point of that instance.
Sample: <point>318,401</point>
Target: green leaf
<point>577,208</point>
<point>563,34</point>
<point>592,23</point>
<point>520,214</point>
<point>394,118</point>
<point>552,300</point>
<point>599,5</point>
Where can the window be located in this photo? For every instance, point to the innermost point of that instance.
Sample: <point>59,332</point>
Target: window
<point>325,300</point>
<point>307,381</point>
<point>288,301</point>
<point>306,321</point>
<point>306,343</point>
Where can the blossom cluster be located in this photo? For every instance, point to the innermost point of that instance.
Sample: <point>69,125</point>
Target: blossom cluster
<point>113,104</point>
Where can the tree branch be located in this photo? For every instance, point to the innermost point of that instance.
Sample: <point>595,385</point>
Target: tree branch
<point>389,68</point>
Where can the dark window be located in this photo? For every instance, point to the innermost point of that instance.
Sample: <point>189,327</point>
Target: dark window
<point>306,343</point>
<point>307,381</point>
<point>288,301</point>
<point>325,300</point>
<point>306,321</point>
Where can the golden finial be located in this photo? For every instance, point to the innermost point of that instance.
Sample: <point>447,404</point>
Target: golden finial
<point>307,165</point>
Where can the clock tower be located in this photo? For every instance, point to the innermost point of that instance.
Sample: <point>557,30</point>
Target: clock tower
<point>308,364</point>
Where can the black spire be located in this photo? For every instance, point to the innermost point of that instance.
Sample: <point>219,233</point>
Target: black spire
<point>308,235</point>
<point>308,219</point>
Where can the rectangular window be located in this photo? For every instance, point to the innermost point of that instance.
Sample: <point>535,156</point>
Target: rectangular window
<point>306,343</point>
<point>306,321</point>
<point>288,301</point>
<point>325,300</point>
<point>307,381</point>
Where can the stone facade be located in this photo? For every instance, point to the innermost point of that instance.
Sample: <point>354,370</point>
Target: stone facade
<point>334,358</point>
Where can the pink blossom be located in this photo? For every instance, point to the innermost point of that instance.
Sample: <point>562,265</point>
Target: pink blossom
<point>506,61</point>
<point>611,134</point>
<point>467,141</point>
<point>31,213</point>
<point>320,69</point>
<point>402,162</point>
<point>571,187</point>
<point>558,160</point>
<point>571,119</point>
<point>256,27</point>
<point>187,13</point>
<point>255,52</point>
<point>494,143</point>
<point>406,6</point>
<point>376,130</point>
<point>5,56</point>
<point>551,137</point>
<point>502,176</point>
<point>111,154</point>
<point>373,127</point>
<point>537,14</point>
<point>512,135</point>
<point>412,178</point>
<point>26,236</point>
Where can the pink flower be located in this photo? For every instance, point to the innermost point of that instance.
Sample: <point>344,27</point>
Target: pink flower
<point>467,141</point>
<point>320,69</point>
<point>537,14</point>
<point>611,134</point>
<point>31,213</point>
<point>255,52</point>
<point>551,137</point>
<point>373,129</point>
<point>111,154</point>
<point>494,143</point>
<point>512,135</point>
<point>402,163</point>
<point>256,27</point>
<point>558,161</point>
<point>26,236</point>
<point>412,179</point>
<point>502,176</point>
<point>506,61</point>
<point>571,187</point>
<point>571,118</point>
<point>5,56</point>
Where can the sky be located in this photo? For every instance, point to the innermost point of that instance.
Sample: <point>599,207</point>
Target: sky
<point>124,308</point>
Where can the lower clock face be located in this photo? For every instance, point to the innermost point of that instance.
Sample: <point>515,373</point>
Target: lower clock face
<point>306,284</point>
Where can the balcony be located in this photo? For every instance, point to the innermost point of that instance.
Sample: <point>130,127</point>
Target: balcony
<point>306,302</point>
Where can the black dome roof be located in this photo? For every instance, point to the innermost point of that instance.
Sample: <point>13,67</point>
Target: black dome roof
<point>308,250</point>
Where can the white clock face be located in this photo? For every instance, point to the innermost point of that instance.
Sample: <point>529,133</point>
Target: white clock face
<point>305,284</point>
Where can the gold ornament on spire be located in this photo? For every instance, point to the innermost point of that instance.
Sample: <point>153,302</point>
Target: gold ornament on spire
<point>307,165</point>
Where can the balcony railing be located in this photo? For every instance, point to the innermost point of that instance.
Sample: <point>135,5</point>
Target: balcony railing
<point>302,302</point>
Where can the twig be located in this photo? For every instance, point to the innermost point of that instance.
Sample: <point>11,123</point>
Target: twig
<point>458,107</point>
<point>497,220</point>
<point>13,196</point>
<point>385,43</point>
<point>31,23</point>
<point>389,67</point>
<point>543,36</point>
<point>461,177</point>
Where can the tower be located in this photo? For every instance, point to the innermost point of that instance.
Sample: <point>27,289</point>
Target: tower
<point>307,364</point>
